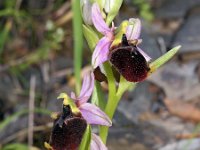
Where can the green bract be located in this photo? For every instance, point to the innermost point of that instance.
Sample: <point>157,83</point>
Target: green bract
<point>164,58</point>
<point>112,8</point>
<point>85,143</point>
<point>90,36</point>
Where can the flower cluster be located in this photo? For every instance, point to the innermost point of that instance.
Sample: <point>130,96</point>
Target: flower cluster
<point>120,47</point>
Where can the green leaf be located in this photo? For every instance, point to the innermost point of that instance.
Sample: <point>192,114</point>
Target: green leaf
<point>163,59</point>
<point>11,118</point>
<point>85,143</point>
<point>91,37</point>
<point>78,42</point>
<point>4,35</point>
<point>15,146</point>
<point>98,97</point>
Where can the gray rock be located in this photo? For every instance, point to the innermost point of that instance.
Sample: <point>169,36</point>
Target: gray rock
<point>175,8</point>
<point>140,103</point>
<point>190,144</point>
<point>141,136</point>
<point>188,36</point>
<point>6,89</point>
<point>15,126</point>
<point>120,120</point>
<point>149,44</point>
<point>179,81</point>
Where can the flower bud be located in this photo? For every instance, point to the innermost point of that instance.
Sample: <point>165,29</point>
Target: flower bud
<point>86,7</point>
<point>112,8</point>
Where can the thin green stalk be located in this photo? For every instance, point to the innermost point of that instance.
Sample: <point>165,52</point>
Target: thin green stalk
<point>112,91</point>
<point>111,80</point>
<point>113,102</point>
<point>4,35</point>
<point>12,117</point>
<point>98,97</point>
<point>110,110</point>
<point>78,42</point>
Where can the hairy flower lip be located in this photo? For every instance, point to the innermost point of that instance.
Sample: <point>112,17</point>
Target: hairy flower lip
<point>131,42</point>
<point>128,61</point>
<point>68,130</point>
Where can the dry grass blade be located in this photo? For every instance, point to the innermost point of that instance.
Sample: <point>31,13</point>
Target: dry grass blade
<point>31,110</point>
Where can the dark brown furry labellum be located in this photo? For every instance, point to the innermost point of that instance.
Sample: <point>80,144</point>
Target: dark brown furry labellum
<point>128,61</point>
<point>67,131</point>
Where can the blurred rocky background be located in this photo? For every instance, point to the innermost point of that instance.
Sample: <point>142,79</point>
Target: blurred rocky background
<point>163,113</point>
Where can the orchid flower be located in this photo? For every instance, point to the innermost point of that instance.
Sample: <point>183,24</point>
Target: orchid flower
<point>68,130</point>
<point>104,47</point>
<point>90,112</point>
<point>125,55</point>
<point>77,109</point>
<point>100,54</point>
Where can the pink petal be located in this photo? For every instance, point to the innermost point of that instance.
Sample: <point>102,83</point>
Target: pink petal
<point>96,143</point>
<point>86,90</point>
<point>98,20</point>
<point>133,29</point>
<point>87,87</point>
<point>100,54</point>
<point>146,56</point>
<point>94,115</point>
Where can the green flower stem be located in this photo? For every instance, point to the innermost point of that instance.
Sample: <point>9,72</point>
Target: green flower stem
<point>85,143</point>
<point>113,98</point>
<point>110,110</point>
<point>164,58</point>
<point>111,80</point>
<point>78,42</point>
<point>99,97</point>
